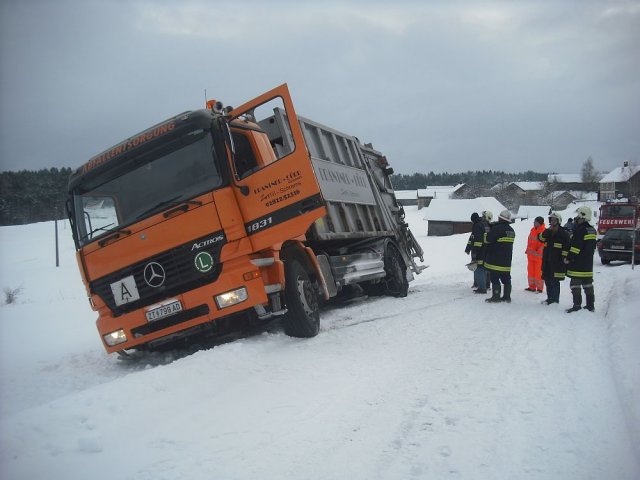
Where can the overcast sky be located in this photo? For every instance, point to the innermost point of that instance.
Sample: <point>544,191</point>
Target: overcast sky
<point>436,86</point>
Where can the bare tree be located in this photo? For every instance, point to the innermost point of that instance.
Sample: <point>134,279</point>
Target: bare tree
<point>590,176</point>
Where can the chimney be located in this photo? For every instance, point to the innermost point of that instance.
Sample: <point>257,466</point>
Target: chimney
<point>625,164</point>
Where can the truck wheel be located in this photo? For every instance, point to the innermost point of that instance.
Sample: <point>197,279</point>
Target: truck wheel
<point>301,294</point>
<point>605,261</point>
<point>396,281</point>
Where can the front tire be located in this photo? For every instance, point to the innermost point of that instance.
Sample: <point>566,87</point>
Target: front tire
<point>301,294</point>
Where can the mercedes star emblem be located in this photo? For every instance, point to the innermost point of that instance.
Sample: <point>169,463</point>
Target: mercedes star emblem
<point>154,274</point>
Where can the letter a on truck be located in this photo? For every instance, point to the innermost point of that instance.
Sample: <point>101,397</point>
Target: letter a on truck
<point>204,225</point>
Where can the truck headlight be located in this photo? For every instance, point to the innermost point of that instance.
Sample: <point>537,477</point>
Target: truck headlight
<point>231,298</point>
<point>114,338</point>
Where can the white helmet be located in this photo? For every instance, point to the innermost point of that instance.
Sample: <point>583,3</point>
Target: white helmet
<point>505,215</point>
<point>583,213</point>
<point>555,215</point>
<point>487,215</point>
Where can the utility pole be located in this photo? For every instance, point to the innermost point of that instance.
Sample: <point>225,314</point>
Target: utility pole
<point>56,227</point>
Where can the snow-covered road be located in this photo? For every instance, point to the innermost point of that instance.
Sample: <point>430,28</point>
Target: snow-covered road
<point>435,385</point>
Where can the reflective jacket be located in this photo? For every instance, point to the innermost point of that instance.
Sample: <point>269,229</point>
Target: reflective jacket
<point>583,244</point>
<point>534,245</point>
<point>477,242</point>
<point>499,243</point>
<point>472,236</point>
<point>555,251</point>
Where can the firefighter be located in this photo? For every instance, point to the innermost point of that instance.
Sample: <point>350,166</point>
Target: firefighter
<point>499,244</point>
<point>579,260</point>
<point>475,236</point>
<point>556,248</point>
<point>479,249</point>
<point>534,257</point>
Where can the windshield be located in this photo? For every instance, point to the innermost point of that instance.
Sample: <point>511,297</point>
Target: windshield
<point>617,211</point>
<point>156,184</point>
<point>617,234</point>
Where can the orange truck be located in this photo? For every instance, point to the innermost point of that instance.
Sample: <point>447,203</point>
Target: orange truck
<point>221,219</point>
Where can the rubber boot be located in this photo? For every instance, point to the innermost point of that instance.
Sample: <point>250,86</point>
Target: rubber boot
<point>577,300</point>
<point>591,298</point>
<point>507,294</point>
<point>495,297</point>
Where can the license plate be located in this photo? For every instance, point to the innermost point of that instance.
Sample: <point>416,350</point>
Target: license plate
<point>617,247</point>
<point>164,310</point>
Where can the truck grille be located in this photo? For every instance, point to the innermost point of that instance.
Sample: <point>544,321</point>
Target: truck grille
<point>180,273</point>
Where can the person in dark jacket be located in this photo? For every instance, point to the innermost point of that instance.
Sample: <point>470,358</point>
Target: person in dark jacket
<point>480,228</point>
<point>497,261</point>
<point>570,227</point>
<point>475,219</point>
<point>579,260</point>
<point>556,247</point>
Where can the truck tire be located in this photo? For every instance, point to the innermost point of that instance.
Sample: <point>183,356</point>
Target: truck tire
<point>396,283</point>
<point>301,294</point>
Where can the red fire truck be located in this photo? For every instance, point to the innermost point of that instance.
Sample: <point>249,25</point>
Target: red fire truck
<point>624,213</point>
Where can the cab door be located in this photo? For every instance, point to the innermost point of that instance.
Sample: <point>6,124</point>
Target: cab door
<point>279,198</point>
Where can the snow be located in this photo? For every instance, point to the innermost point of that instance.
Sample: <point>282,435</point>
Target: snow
<point>435,385</point>
<point>459,210</point>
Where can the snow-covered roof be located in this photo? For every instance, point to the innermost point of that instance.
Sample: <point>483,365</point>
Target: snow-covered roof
<point>533,211</point>
<point>582,195</point>
<point>406,194</point>
<point>438,191</point>
<point>564,177</point>
<point>460,210</point>
<point>529,186</point>
<point>621,174</point>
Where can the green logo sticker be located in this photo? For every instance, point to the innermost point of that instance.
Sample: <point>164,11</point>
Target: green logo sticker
<point>204,262</point>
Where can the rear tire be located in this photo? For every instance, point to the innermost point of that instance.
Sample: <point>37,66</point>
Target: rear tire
<point>605,261</point>
<point>301,294</point>
<point>396,283</point>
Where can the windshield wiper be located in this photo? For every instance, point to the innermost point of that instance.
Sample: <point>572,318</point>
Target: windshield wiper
<point>158,206</point>
<point>105,228</point>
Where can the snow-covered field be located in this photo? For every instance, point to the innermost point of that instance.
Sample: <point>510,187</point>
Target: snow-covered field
<point>436,385</point>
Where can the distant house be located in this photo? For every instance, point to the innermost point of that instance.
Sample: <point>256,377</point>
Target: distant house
<point>620,182</point>
<point>451,216</point>
<point>464,190</point>
<point>560,199</point>
<point>425,195</point>
<point>407,197</point>
<point>526,212</point>
<point>519,193</point>
<point>566,181</point>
